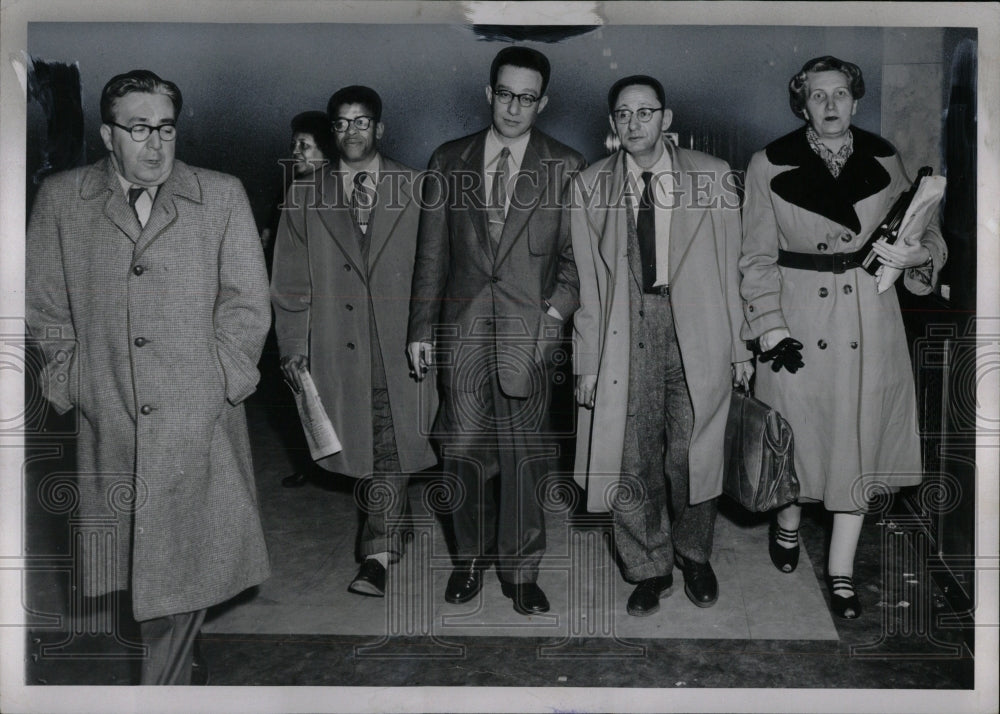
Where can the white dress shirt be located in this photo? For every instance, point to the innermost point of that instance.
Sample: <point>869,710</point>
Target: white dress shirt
<point>663,201</point>
<point>143,204</point>
<point>371,168</point>
<point>491,156</point>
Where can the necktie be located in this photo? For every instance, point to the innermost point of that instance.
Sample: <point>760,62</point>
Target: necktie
<point>134,194</point>
<point>362,200</point>
<point>498,197</point>
<point>645,230</point>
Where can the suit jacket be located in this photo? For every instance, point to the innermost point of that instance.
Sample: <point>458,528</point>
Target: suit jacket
<point>470,298</point>
<point>704,295</point>
<point>153,335</point>
<point>329,296</point>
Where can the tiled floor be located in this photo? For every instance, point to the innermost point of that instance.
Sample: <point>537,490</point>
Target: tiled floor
<point>302,628</point>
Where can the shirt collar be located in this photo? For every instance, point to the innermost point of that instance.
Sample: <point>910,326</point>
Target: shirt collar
<point>126,185</point>
<point>371,167</point>
<point>494,146</point>
<point>663,165</point>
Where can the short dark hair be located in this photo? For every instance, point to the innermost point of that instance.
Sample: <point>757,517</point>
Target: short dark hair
<point>521,57</point>
<point>799,83</point>
<point>355,94</point>
<point>138,80</point>
<point>642,80</point>
<point>317,125</point>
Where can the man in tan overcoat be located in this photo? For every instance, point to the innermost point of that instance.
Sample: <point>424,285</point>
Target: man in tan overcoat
<point>656,237</point>
<point>146,288</point>
<point>343,263</point>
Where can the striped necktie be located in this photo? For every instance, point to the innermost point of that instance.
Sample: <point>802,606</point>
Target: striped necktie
<point>362,200</point>
<point>495,211</point>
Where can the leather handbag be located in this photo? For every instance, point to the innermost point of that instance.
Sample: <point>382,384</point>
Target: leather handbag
<point>759,470</point>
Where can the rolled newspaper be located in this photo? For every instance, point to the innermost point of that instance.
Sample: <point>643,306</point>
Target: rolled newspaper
<point>320,434</point>
<point>922,210</point>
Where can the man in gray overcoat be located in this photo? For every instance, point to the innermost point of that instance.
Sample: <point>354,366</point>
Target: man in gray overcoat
<point>656,236</point>
<point>343,262</point>
<point>146,288</point>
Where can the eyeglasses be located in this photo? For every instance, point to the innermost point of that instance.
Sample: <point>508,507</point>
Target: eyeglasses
<point>504,96</point>
<point>141,132</point>
<point>360,123</point>
<point>624,116</point>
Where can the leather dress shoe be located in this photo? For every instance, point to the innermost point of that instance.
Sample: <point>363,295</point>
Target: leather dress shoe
<point>465,581</point>
<point>529,599</point>
<point>370,579</point>
<point>645,599</point>
<point>700,583</point>
<point>295,480</point>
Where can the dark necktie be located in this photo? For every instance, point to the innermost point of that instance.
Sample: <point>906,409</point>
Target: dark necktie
<point>362,200</point>
<point>134,194</point>
<point>498,197</point>
<point>645,231</point>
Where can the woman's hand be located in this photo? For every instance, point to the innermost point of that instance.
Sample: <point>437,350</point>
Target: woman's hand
<point>742,373</point>
<point>770,339</point>
<point>901,254</point>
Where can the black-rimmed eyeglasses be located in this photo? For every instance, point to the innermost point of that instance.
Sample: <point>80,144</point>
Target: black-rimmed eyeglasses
<point>360,123</point>
<point>624,116</point>
<point>505,96</point>
<point>141,132</point>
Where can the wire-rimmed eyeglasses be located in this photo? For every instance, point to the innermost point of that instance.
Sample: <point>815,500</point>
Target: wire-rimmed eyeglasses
<point>141,132</point>
<point>505,96</point>
<point>624,116</point>
<point>360,123</point>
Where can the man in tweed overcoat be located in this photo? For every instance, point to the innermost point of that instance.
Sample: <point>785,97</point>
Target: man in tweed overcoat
<point>152,317</point>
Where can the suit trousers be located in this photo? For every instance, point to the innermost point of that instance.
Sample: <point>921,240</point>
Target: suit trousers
<point>170,647</point>
<point>657,522</point>
<point>385,499</point>
<point>498,449</point>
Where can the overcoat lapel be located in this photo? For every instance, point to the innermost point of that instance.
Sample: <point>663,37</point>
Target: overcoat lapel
<point>182,184</point>
<point>473,159</point>
<point>101,180</point>
<point>688,210</point>
<point>529,190</point>
<point>395,192</point>
<point>335,214</point>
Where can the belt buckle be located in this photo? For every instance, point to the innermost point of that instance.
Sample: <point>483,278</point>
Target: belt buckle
<point>839,263</point>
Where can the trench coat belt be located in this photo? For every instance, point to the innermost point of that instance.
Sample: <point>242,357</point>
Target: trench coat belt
<point>822,262</point>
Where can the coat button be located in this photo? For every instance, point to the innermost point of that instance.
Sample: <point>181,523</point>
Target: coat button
<point>349,307</point>
<point>146,409</point>
<point>749,308</point>
<point>138,270</point>
<point>821,247</point>
<point>642,345</point>
<point>347,267</point>
<point>350,345</point>
<point>496,279</point>
<point>823,292</point>
<point>821,344</point>
<point>848,290</point>
<point>846,237</point>
<point>854,345</point>
<point>642,313</point>
<point>140,341</point>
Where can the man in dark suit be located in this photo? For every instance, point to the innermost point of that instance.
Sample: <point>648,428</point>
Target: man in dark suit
<point>342,268</point>
<point>494,283</point>
<point>146,287</point>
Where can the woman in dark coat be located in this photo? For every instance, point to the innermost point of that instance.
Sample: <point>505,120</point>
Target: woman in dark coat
<point>843,378</point>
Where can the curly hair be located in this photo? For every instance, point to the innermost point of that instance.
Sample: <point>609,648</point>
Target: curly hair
<point>317,125</point>
<point>798,86</point>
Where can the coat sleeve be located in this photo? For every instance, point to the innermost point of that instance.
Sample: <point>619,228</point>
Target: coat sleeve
<point>729,239</point>
<point>760,285</point>
<point>566,296</point>
<point>587,319</point>
<point>291,286</point>
<point>430,269</point>
<point>242,314</point>
<point>47,306</point>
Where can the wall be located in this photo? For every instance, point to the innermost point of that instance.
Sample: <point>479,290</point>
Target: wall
<point>242,83</point>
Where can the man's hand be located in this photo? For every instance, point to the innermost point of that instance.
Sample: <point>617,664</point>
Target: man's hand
<point>742,372</point>
<point>419,355</point>
<point>290,367</point>
<point>901,254</point>
<point>586,387</point>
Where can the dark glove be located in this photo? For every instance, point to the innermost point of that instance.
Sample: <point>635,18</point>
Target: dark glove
<point>784,354</point>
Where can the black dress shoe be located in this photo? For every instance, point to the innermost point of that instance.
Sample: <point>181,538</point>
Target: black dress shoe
<point>700,584</point>
<point>465,581</point>
<point>645,599</point>
<point>370,579</point>
<point>295,480</point>
<point>784,559</point>
<point>528,597</point>
<point>846,607</point>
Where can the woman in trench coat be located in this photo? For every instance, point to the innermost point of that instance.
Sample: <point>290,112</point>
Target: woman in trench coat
<point>841,373</point>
